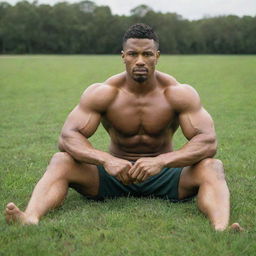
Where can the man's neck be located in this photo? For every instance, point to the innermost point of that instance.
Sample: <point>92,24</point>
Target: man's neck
<point>143,87</point>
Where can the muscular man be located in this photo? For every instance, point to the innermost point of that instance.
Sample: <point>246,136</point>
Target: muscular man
<point>140,109</point>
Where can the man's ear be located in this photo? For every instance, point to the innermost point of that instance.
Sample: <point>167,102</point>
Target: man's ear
<point>122,55</point>
<point>157,56</point>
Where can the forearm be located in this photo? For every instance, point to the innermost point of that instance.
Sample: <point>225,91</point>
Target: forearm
<point>197,149</point>
<point>81,149</point>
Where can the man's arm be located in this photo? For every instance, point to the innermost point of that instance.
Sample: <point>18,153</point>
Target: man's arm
<point>196,125</point>
<point>82,122</point>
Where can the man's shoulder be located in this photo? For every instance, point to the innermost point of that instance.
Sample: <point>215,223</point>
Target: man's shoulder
<point>109,86</point>
<point>98,90</point>
<point>116,80</point>
<point>166,80</point>
<point>100,95</point>
<point>182,96</point>
<point>172,86</point>
<point>183,89</point>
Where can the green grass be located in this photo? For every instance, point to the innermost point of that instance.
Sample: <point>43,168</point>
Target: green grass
<point>37,93</point>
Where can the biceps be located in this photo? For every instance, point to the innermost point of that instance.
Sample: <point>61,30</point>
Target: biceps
<point>197,122</point>
<point>84,121</point>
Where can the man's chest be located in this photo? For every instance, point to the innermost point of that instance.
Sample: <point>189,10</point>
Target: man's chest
<point>131,115</point>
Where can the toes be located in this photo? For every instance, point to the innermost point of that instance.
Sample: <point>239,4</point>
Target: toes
<point>12,209</point>
<point>13,214</point>
<point>10,206</point>
<point>8,211</point>
<point>236,227</point>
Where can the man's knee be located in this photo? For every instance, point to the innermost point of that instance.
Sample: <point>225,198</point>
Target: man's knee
<point>61,163</point>
<point>211,163</point>
<point>61,158</point>
<point>210,169</point>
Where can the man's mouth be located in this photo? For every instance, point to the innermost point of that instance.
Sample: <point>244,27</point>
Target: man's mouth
<point>140,70</point>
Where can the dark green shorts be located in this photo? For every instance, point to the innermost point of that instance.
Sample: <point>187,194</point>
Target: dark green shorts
<point>163,185</point>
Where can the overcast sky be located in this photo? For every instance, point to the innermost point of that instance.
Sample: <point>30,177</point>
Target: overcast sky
<point>190,9</point>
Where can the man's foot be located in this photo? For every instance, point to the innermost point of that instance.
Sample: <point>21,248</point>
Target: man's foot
<point>14,215</point>
<point>236,227</point>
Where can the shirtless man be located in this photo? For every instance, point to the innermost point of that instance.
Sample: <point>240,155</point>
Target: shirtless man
<point>140,109</point>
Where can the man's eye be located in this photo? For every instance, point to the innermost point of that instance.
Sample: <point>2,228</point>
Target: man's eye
<point>147,54</point>
<point>132,53</point>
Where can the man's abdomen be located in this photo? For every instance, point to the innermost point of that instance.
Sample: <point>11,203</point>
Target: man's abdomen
<point>132,148</point>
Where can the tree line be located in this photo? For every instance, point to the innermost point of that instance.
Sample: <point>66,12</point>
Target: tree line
<point>85,28</point>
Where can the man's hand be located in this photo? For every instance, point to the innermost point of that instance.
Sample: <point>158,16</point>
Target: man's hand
<point>119,168</point>
<point>145,167</point>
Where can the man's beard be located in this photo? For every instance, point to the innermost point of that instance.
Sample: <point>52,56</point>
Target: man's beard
<point>140,79</point>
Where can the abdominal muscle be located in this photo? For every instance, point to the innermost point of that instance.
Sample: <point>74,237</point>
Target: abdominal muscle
<point>135,147</point>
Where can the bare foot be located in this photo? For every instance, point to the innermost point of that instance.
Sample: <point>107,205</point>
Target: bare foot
<point>236,227</point>
<point>14,215</point>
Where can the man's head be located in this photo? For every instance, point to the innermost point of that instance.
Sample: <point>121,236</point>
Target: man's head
<point>140,51</point>
<point>141,31</point>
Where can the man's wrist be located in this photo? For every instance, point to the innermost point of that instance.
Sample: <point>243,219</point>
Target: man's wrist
<point>164,159</point>
<point>106,157</point>
<point>96,157</point>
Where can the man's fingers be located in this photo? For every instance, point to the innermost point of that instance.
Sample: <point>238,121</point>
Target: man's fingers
<point>125,178</point>
<point>140,176</point>
<point>119,177</point>
<point>134,168</point>
<point>131,171</point>
<point>136,172</point>
<point>130,165</point>
<point>146,175</point>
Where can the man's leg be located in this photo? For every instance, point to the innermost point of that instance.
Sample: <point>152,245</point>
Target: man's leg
<point>207,177</point>
<point>52,188</point>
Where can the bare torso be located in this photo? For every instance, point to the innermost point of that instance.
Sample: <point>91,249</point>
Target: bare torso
<point>140,124</point>
<point>141,109</point>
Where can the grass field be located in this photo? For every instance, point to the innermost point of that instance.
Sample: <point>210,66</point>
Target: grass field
<point>37,93</point>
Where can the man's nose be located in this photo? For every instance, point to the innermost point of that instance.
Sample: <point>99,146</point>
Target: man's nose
<point>140,61</point>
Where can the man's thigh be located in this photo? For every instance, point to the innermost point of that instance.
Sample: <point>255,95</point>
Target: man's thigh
<point>208,171</point>
<point>80,176</point>
<point>85,179</point>
<point>188,186</point>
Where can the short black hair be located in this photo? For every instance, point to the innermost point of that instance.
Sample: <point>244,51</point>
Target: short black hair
<point>141,30</point>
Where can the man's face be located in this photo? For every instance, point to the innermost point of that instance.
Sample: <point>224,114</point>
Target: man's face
<point>140,57</point>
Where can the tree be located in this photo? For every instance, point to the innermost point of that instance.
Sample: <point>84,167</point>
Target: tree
<point>141,10</point>
<point>4,9</point>
<point>20,28</point>
<point>84,27</point>
<point>87,6</point>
